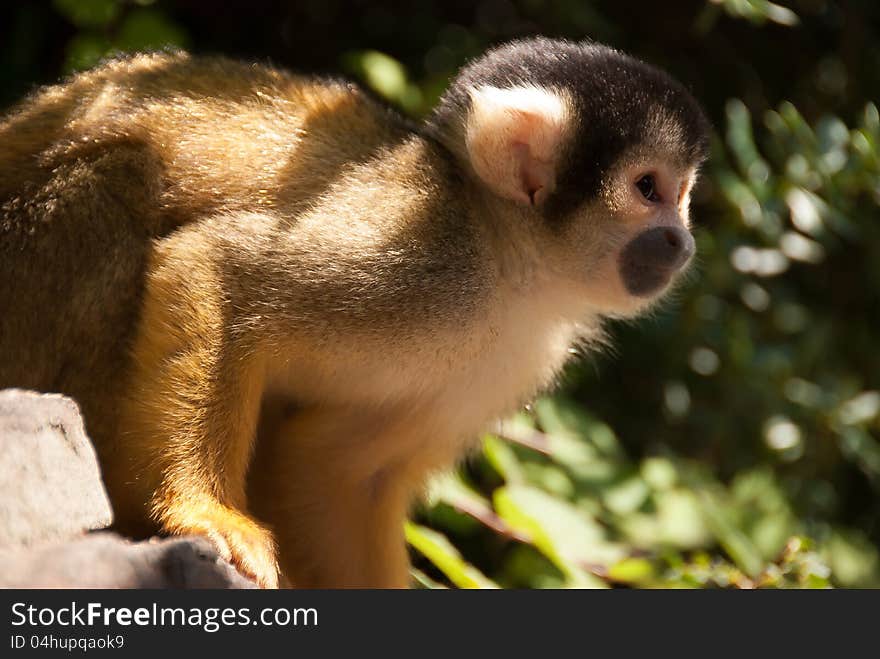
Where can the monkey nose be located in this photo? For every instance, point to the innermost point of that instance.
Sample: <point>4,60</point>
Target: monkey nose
<point>666,248</point>
<point>652,257</point>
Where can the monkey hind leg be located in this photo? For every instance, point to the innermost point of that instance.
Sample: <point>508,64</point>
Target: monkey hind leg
<point>73,248</point>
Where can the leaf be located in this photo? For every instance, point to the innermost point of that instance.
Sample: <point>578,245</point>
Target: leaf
<point>659,473</point>
<point>735,542</point>
<point>759,11</point>
<point>386,76</point>
<point>626,496</point>
<point>573,540</point>
<point>677,521</point>
<point>503,459</point>
<point>632,571</point>
<point>437,549</point>
<point>558,416</point>
<point>680,519</point>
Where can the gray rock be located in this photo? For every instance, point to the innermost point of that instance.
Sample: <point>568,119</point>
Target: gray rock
<point>106,560</point>
<point>50,483</point>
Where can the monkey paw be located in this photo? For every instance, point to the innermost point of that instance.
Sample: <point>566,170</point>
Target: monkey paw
<point>237,538</point>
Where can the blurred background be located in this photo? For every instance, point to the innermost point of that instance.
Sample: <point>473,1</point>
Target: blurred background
<point>732,439</point>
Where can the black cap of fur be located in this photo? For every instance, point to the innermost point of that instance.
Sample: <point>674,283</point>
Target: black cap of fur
<point>618,100</point>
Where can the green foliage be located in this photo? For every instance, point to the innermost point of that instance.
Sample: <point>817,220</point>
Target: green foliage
<point>111,26</point>
<point>386,76</point>
<point>445,557</point>
<point>568,508</point>
<point>756,11</point>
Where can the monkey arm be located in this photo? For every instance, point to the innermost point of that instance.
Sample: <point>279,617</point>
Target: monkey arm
<point>190,413</point>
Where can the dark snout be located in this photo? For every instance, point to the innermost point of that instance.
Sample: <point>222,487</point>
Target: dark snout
<point>650,259</point>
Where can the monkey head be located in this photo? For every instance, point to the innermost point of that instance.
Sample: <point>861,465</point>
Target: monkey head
<point>589,154</point>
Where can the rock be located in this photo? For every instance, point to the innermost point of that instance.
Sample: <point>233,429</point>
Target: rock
<point>51,492</point>
<point>50,483</point>
<point>106,560</point>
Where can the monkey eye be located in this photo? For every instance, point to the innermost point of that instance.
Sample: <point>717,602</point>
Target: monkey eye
<point>646,187</point>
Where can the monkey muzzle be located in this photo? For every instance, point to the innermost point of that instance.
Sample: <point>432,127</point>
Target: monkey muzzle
<point>651,259</point>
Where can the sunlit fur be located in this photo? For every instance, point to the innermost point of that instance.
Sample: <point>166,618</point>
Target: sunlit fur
<point>282,307</point>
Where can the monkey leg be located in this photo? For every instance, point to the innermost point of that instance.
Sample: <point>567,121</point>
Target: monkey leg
<point>74,239</point>
<point>189,418</point>
<point>337,512</point>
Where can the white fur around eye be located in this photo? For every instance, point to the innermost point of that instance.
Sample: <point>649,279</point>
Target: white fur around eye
<point>513,137</point>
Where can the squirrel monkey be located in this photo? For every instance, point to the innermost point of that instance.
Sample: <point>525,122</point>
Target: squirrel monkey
<point>281,305</point>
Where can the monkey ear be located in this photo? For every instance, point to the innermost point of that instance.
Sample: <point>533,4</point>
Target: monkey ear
<point>514,137</point>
